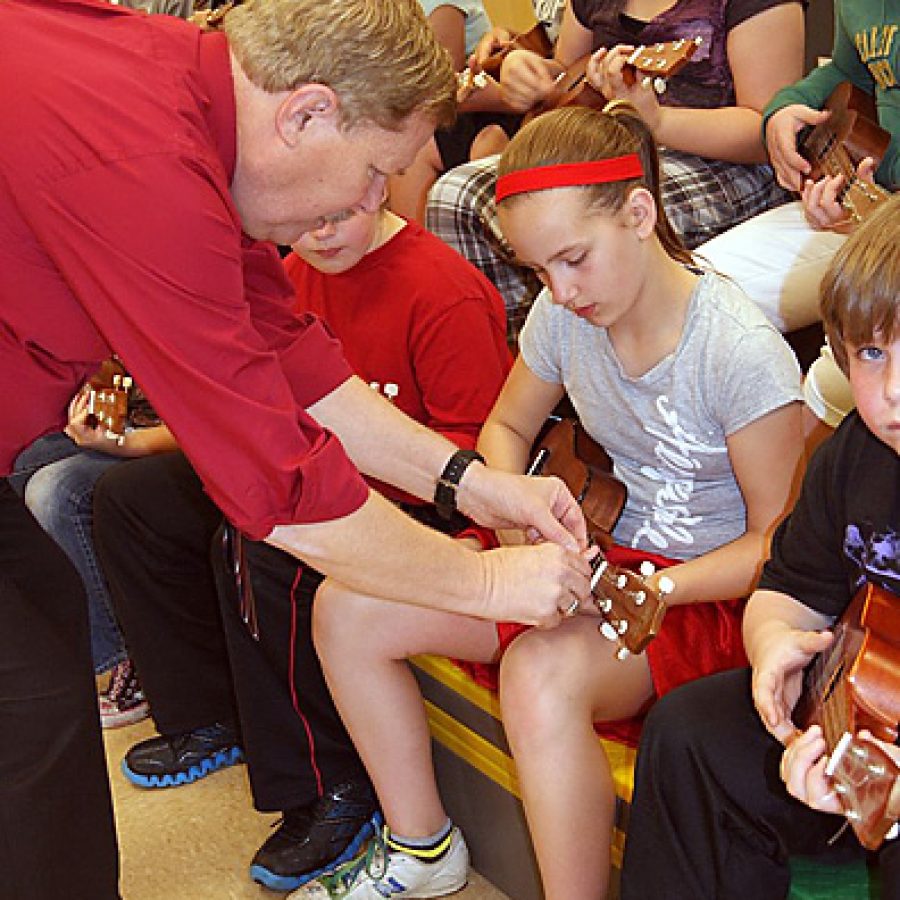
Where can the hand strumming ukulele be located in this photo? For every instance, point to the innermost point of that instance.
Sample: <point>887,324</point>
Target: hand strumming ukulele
<point>837,146</point>
<point>653,65</point>
<point>632,611</point>
<point>855,685</point>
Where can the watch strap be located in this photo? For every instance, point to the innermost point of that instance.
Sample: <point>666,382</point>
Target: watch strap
<point>445,492</point>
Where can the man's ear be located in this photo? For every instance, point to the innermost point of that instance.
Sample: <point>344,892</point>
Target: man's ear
<point>641,212</point>
<point>311,102</point>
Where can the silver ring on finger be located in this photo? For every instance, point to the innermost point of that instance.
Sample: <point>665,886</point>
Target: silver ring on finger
<point>571,609</point>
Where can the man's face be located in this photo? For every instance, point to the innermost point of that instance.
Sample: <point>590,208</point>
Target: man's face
<point>328,170</point>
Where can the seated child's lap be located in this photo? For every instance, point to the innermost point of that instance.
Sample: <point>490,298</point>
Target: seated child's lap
<point>696,639</point>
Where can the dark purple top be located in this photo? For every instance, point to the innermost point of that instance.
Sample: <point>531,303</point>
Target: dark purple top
<point>706,81</point>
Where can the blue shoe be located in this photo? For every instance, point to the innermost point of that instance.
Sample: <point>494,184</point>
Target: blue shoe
<point>314,839</point>
<point>169,761</point>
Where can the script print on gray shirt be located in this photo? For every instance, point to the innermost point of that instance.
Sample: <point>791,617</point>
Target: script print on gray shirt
<point>666,430</point>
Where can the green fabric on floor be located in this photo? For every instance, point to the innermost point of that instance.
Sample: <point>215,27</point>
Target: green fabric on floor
<point>818,881</point>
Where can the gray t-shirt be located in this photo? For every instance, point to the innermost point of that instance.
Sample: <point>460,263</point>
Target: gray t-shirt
<point>666,430</point>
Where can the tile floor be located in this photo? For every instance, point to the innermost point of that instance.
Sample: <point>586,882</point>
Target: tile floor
<point>195,842</point>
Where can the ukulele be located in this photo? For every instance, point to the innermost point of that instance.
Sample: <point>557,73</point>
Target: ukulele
<point>654,65</point>
<point>632,611</point>
<point>855,685</point>
<point>108,407</point>
<point>836,147</point>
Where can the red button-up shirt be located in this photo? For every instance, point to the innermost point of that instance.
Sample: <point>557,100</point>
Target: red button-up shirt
<point>118,234</point>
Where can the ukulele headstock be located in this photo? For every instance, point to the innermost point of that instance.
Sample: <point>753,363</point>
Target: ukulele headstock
<point>864,777</point>
<point>656,63</point>
<point>108,407</point>
<point>632,610</point>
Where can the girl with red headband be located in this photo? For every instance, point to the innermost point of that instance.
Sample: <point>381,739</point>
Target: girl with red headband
<point>695,397</point>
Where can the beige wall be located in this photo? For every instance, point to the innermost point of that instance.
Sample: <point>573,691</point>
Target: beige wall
<point>517,15</point>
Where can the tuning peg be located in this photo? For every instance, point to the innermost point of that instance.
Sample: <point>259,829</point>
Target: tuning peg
<point>660,85</point>
<point>127,382</point>
<point>608,631</point>
<point>391,390</point>
<point>893,832</point>
<point>621,581</point>
<point>639,598</point>
<point>622,626</point>
<point>624,653</point>
<point>665,585</point>
<point>598,573</point>
<point>646,568</point>
<point>604,605</point>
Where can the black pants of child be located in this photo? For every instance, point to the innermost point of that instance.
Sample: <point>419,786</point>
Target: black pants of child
<point>710,817</point>
<point>159,538</point>
<point>57,837</point>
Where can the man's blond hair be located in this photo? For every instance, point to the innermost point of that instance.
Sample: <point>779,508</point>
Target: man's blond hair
<point>381,57</point>
<point>860,295</point>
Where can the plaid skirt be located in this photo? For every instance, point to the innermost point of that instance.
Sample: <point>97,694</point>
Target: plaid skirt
<point>702,198</point>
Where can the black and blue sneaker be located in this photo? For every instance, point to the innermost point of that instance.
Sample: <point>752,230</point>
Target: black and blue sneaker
<point>180,759</point>
<point>311,840</point>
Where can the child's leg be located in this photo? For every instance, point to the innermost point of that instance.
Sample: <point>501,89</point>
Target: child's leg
<point>363,643</point>
<point>554,685</point>
<point>710,818</point>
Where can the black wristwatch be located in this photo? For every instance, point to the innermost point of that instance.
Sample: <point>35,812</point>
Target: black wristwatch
<point>445,492</point>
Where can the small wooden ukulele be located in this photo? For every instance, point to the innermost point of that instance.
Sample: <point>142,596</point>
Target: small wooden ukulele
<point>837,147</point>
<point>108,407</point>
<point>632,610</point>
<point>654,65</point>
<point>855,685</point>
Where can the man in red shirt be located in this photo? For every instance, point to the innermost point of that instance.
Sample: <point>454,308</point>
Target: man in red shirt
<point>144,166</point>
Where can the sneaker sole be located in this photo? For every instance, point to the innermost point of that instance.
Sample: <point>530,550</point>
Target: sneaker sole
<point>221,760</point>
<point>269,879</point>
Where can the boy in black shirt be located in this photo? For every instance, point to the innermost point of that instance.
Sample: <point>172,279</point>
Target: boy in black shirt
<point>712,814</point>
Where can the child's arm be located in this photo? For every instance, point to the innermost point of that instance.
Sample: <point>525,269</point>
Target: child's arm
<point>766,457</point>
<point>732,132</point>
<point>781,636</point>
<point>511,428</point>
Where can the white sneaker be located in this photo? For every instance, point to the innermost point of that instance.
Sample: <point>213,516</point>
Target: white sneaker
<point>378,874</point>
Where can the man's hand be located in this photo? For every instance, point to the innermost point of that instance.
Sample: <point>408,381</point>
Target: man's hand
<point>778,676</point>
<point>536,585</point>
<point>781,143</point>
<point>541,507</point>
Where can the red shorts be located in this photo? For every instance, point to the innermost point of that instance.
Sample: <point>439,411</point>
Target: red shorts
<point>694,640</point>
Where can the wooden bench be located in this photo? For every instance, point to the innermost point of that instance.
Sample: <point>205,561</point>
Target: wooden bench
<point>478,783</point>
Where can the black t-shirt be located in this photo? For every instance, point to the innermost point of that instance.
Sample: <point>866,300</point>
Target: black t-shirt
<point>845,528</point>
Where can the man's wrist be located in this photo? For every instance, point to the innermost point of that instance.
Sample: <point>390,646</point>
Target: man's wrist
<point>446,491</point>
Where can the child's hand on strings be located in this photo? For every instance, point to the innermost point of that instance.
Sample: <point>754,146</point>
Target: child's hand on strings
<point>778,667</point>
<point>526,79</point>
<point>822,199</point>
<point>606,73</point>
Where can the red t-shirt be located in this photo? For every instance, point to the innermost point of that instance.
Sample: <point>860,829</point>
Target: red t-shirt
<point>421,325</point>
<point>118,234</point>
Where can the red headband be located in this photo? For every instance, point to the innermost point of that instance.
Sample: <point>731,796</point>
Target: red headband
<point>599,171</point>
